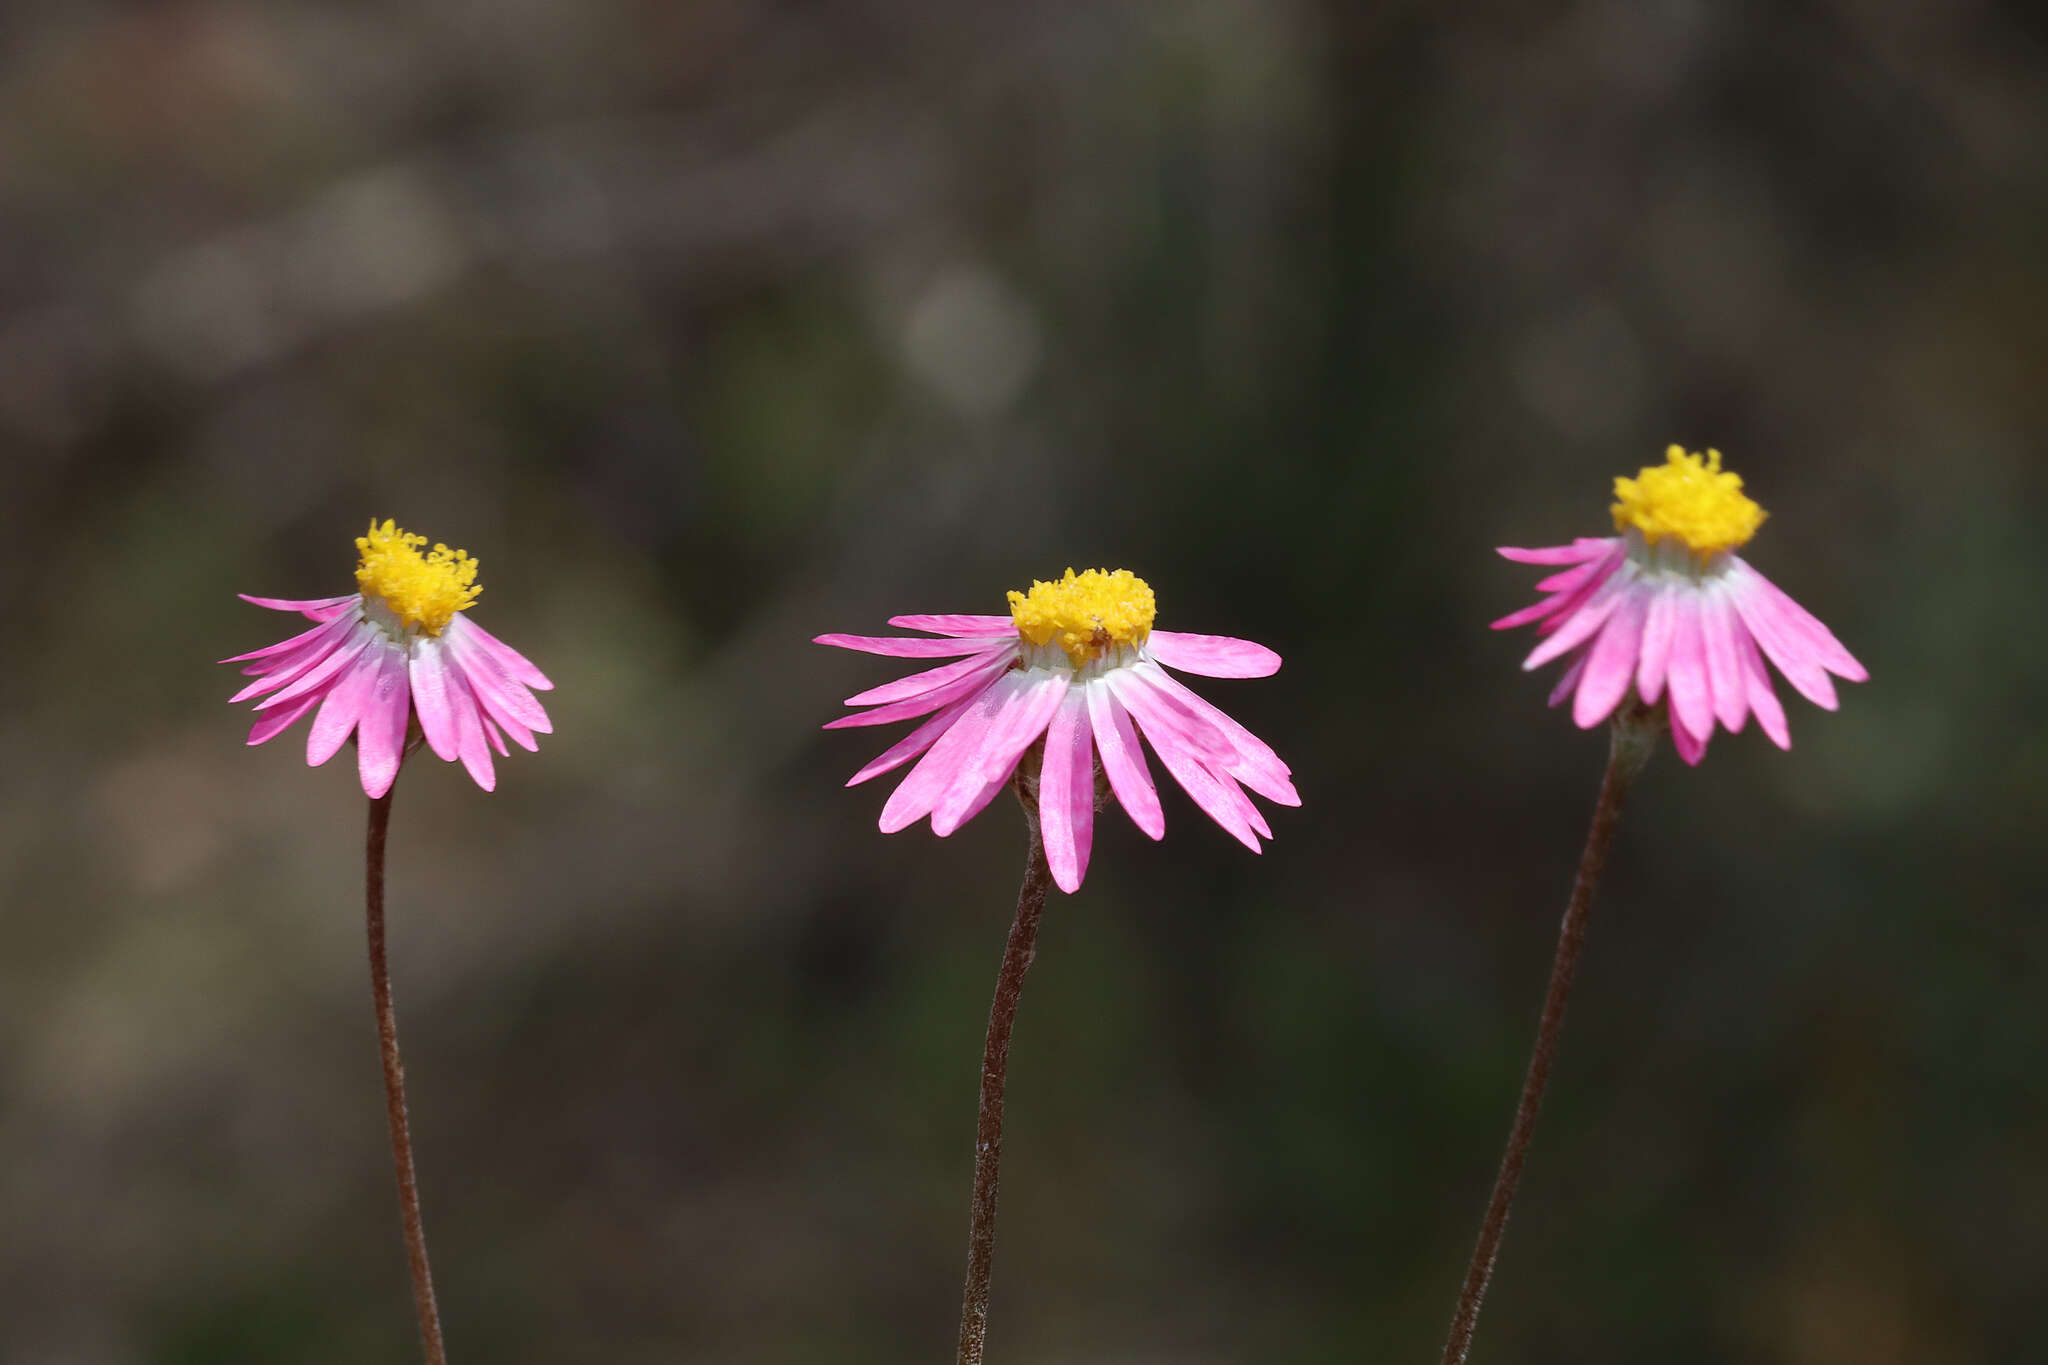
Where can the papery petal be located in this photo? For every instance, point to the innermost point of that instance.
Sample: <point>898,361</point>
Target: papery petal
<point>1207,790</point>
<point>361,638</point>
<point>341,708</point>
<point>1724,666</point>
<point>1123,760</point>
<point>1568,681</point>
<point>1253,761</point>
<point>1654,654</point>
<point>515,664</point>
<point>430,700</point>
<point>1066,792</point>
<point>917,684</point>
<point>1784,647</point>
<point>317,608</point>
<point>1763,699</point>
<point>1582,549</point>
<point>1690,748</point>
<point>953,753</point>
<point>1803,625</point>
<point>500,692</point>
<point>1025,713</point>
<point>470,743</point>
<point>380,732</point>
<point>911,647</point>
<point>912,744</point>
<point>1148,694</point>
<point>931,701</point>
<point>281,647</point>
<point>1611,661</point>
<point>271,724</point>
<point>286,669</point>
<point>1585,620</point>
<point>1692,703</point>
<point>953,623</point>
<point>1212,656</point>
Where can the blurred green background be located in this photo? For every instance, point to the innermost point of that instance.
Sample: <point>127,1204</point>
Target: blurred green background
<point>711,326</point>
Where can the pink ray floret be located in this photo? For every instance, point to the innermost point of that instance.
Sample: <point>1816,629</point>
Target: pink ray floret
<point>365,671</point>
<point>1634,618</point>
<point>993,694</point>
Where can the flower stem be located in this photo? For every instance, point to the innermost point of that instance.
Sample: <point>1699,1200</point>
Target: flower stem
<point>394,1085</point>
<point>1632,738</point>
<point>995,1064</point>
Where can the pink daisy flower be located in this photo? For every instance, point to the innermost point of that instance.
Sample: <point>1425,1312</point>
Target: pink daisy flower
<point>1668,606</point>
<point>397,648</point>
<point>1075,661</point>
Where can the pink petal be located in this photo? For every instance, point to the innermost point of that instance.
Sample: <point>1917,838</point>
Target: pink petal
<point>948,758</point>
<point>342,708</point>
<point>1149,694</point>
<point>1023,718</point>
<point>1792,654</point>
<point>1691,749</point>
<point>1724,666</point>
<point>1212,656</point>
<point>470,742</point>
<point>500,692</point>
<point>288,668</point>
<point>497,738</point>
<point>1692,704</point>
<point>1654,654</point>
<point>380,733</point>
<point>1770,715</point>
<point>514,663</point>
<point>281,647</point>
<point>1253,761</point>
<point>1568,681</point>
<point>365,637</point>
<point>917,684</point>
<point>430,700</point>
<point>1804,625</point>
<point>1185,763</point>
<point>1611,662</point>
<point>317,608</point>
<point>907,647</point>
<point>912,744</point>
<point>271,724</point>
<point>1567,579</point>
<point>1579,550</point>
<point>1066,792</point>
<point>1123,760</point>
<point>954,624</point>
<point>1582,623</point>
<point>931,701</point>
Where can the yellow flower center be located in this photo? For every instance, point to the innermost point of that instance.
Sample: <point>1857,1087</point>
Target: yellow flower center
<point>1086,613</point>
<point>424,591</point>
<point>1690,500</point>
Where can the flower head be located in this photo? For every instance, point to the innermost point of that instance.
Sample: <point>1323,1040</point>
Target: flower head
<point>1075,662</point>
<point>398,647</point>
<point>1668,606</point>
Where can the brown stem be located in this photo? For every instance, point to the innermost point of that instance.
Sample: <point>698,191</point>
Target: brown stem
<point>394,1086</point>
<point>995,1064</point>
<point>1634,734</point>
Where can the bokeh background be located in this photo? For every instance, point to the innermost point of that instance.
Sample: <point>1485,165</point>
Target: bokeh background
<point>711,326</point>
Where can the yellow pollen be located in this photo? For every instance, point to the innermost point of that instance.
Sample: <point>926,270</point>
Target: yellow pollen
<point>423,591</point>
<point>1689,499</point>
<point>1086,613</point>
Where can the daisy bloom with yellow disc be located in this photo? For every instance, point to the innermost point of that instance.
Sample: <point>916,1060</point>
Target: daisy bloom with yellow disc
<point>1078,663</point>
<point>1668,606</point>
<point>399,646</point>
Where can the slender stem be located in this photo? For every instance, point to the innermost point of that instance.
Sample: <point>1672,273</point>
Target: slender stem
<point>394,1086</point>
<point>1629,747</point>
<point>995,1065</point>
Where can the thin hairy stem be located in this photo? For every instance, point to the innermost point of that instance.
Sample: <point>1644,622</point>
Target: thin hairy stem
<point>394,1086</point>
<point>995,1065</point>
<point>1630,744</point>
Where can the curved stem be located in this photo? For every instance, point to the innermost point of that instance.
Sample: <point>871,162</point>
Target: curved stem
<point>1628,748</point>
<point>995,1065</point>
<point>394,1085</point>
